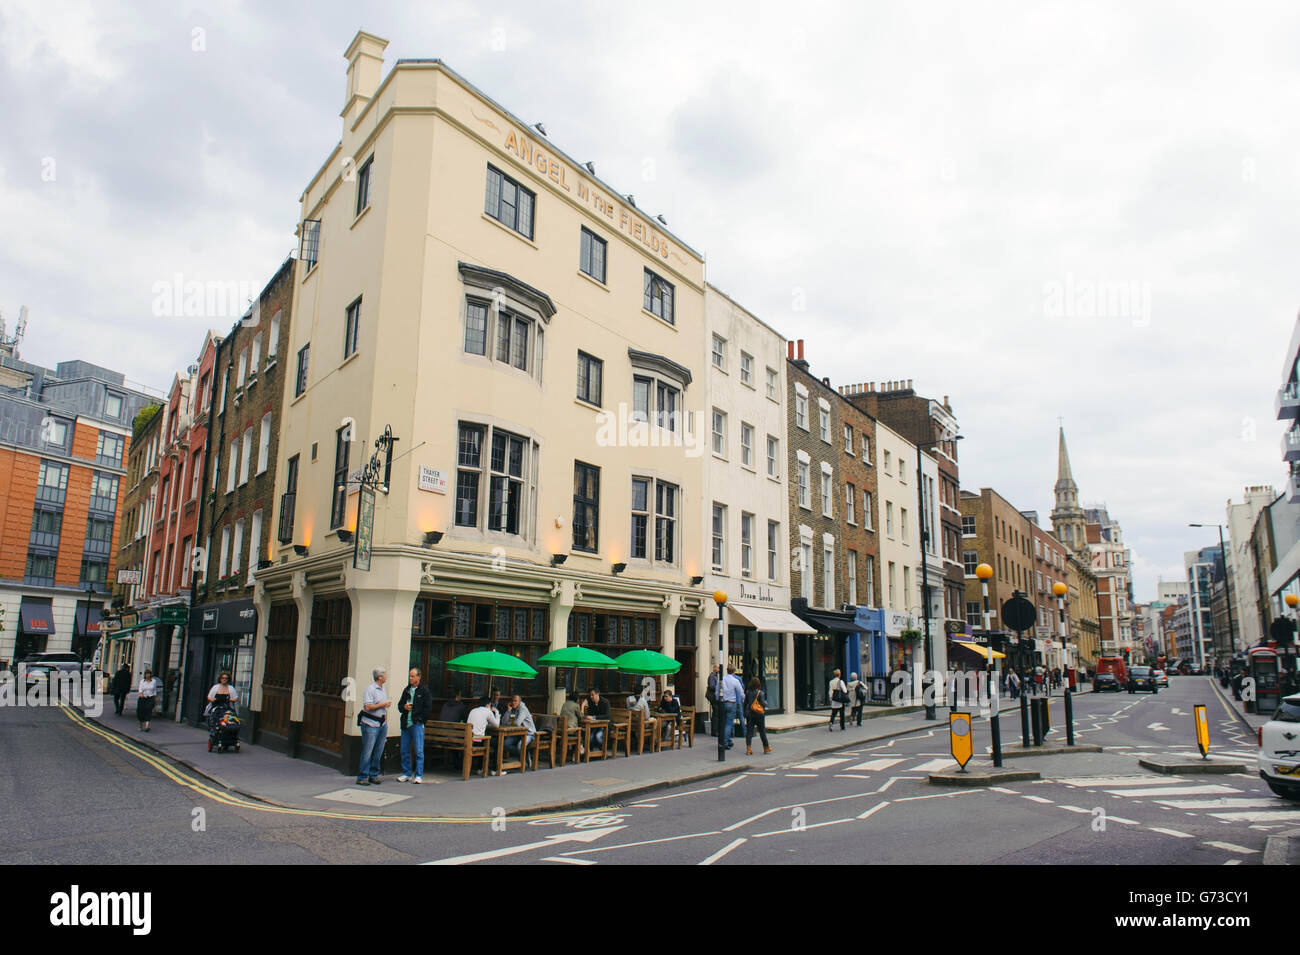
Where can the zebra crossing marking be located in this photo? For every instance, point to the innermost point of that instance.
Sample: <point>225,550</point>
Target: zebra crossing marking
<point>1156,791</point>
<point>872,765</point>
<point>820,763</point>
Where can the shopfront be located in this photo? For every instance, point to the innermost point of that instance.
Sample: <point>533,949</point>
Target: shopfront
<point>901,648</point>
<point>758,641</point>
<point>818,655</point>
<point>87,631</point>
<point>221,640</point>
<point>872,648</point>
<point>35,627</point>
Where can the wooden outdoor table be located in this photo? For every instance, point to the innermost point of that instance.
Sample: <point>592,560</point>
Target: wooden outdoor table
<point>499,736</point>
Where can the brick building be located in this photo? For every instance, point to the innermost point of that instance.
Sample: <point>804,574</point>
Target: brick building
<point>933,427</point>
<point>235,524</point>
<point>64,436</point>
<point>818,578</point>
<point>995,533</point>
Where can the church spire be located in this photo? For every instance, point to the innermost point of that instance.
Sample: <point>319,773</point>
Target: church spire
<point>1063,463</point>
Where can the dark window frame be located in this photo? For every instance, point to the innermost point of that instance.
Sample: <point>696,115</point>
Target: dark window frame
<point>588,363</point>
<point>351,328</point>
<point>588,245</point>
<point>339,490</point>
<point>657,296</point>
<point>363,185</point>
<point>304,363</point>
<point>586,507</point>
<point>496,206</point>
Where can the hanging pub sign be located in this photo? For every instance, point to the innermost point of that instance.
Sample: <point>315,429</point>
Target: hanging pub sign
<point>365,528</point>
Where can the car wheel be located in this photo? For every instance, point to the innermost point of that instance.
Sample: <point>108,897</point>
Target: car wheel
<point>1283,790</point>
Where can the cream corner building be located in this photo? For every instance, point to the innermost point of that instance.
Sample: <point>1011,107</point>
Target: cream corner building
<point>535,344</point>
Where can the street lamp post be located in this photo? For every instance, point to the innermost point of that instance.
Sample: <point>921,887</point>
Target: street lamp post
<point>720,707</point>
<point>985,573</point>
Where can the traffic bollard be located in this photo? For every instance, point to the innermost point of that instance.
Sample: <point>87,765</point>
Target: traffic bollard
<point>1024,720</point>
<point>1036,719</point>
<point>1069,717</point>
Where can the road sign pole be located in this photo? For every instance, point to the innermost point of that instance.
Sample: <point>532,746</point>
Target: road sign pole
<point>1069,717</point>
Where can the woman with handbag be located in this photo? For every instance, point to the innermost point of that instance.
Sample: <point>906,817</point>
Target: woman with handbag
<point>755,716</point>
<point>839,694</point>
<point>147,696</point>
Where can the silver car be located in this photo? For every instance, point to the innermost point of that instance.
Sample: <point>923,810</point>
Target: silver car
<point>1279,749</point>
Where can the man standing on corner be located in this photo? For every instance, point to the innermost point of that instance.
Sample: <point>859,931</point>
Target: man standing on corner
<point>415,705</point>
<point>732,694</point>
<point>373,720</point>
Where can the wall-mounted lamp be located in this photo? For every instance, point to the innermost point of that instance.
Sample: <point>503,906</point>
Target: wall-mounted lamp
<point>558,559</point>
<point>345,535</point>
<point>300,550</point>
<point>432,537</point>
<point>696,581</point>
<point>618,568</point>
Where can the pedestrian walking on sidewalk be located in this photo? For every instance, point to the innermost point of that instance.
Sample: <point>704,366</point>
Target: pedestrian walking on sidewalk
<point>121,687</point>
<point>415,707</point>
<point>858,694</point>
<point>732,694</point>
<point>740,702</point>
<point>711,695</point>
<point>373,720</point>
<point>839,694</point>
<point>1013,684</point>
<point>147,696</point>
<point>756,710</point>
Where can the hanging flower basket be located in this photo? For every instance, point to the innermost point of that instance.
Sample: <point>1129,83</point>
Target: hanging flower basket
<point>911,636</point>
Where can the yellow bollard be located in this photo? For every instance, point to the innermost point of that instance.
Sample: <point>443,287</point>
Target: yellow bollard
<point>1202,731</point>
<point>959,735</point>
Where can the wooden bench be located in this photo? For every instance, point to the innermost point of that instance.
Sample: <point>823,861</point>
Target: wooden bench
<point>457,737</point>
<point>548,730</point>
<point>567,737</point>
<point>587,728</point>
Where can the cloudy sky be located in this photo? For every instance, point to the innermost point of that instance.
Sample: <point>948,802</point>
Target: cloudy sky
<point>1037,209</point>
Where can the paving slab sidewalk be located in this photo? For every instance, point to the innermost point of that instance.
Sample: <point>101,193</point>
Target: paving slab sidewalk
<point>267,776</point>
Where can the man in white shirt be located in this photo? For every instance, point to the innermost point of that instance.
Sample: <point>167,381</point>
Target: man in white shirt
<point>732,693</point>
<point>480,718</point>
<point>373,721</point>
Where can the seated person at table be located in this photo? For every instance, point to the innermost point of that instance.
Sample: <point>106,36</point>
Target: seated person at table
<point>671,707</point>
<point>641,702</point>
<point>481,717</point>
<point>594,708</point>
<point>517,714</point>
<point>572,713</point>
<point>454,710</point>
<point>494,700</point>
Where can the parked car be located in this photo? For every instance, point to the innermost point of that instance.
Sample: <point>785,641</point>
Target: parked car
<point>1142,678</point>
<point>1279,749</point>
<point>1105,681</point>
<point>63,661</point>
<point>1162,678</point>
<point>37,673</point>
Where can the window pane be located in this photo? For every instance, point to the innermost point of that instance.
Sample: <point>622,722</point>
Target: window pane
<point>476,329</point>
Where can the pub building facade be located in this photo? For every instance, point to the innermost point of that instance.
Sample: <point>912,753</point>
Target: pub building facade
<point>746,550</point>
<point>239,475</point>
<point>533,343</point>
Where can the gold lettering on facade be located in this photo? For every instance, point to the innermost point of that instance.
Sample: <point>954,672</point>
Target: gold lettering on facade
<point>522,147</point>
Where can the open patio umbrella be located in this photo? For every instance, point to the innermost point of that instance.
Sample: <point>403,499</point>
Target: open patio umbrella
<point>577,657</point>
<point>649,662</point>
<point>492,663</point>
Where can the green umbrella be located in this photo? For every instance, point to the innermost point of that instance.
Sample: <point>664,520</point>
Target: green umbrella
<point>492,663</point>
<point>650,662</point>
<point>577,657</point>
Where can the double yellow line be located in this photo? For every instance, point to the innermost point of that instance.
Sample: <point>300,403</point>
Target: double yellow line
<point>224,797</point>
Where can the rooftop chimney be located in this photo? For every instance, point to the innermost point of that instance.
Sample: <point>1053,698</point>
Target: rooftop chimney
<point>789,350</point>
<point>801,358</point>
<point>365,56</point>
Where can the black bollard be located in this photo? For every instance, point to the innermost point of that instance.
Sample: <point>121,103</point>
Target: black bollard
<point>1024,721</point>
<point>996,732</point>
<point>1036,720</point>
<point>1069,717</point>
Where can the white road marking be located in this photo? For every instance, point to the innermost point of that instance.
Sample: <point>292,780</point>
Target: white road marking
<point>820,763</point>
<point>800,775</point>
<point>1123,821</point>
<point>723,851</point>
<point>1282,816</point>
<point>589,835</point>
<point>1177,712</point>
<point>1037,799</point>
<point>877,807</point>
<point>871,765</point>
<point>850,776</point>
<point>815,825</point>
<point>570,861</point>
<point>693,792</point>
<point>959,792</point>
<point>744,822</point>
<point>1229,847</point>
<point>1086,812</point>
<point>999,789</point>
<point>1175,791</point>
<point>1158,727</point>
<point>1226,803</point>
<point>1105,782</point>
<point>1172,832</point>
<point>645,842</point>
<point>1233,862</point>
<point>731,782</point>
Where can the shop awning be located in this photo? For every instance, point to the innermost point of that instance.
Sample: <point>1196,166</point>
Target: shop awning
<point>983,651</point>
<point>37,615</point>
<point>830,621</point>
<point>88,619</point>
<point>770,619</point>
<point>230,616</point>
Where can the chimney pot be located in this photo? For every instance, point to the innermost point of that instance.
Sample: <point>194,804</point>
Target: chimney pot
<point>801,349</point>
<point>826,382</point>
<point>789,349</point>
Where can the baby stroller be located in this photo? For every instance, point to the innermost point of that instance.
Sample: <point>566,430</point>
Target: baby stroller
<point>223,726</point>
